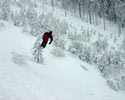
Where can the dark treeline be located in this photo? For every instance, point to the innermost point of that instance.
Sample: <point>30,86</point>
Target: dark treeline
<point>92,11</point>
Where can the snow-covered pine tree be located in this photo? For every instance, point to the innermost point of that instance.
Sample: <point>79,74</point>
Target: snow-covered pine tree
<point>17,19</point>
<point>5,9</point>
<point>23,16</point>
<point>120,15</point>
<point>52,3</point>
<point>31,19</point>
<point>37,51</point>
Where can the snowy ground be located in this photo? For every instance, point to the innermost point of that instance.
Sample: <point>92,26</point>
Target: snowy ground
<point>65,78</point>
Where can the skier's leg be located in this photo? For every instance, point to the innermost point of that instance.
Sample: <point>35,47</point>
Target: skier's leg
<point>44,44</point>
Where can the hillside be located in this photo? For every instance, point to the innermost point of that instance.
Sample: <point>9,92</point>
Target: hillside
<point>86,60</point>
<point>59,78</point>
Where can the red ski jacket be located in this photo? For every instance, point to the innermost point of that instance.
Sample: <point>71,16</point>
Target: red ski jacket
<point>46,36</point>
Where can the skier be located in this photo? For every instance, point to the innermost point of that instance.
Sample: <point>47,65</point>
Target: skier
<point>45,38</point>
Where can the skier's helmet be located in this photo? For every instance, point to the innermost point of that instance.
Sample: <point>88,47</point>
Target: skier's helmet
<point>50,32</point>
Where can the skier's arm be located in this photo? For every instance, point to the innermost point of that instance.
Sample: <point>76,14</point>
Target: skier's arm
<point>51,39</point>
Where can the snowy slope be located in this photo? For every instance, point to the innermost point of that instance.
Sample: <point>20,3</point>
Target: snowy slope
<point>57,79</point>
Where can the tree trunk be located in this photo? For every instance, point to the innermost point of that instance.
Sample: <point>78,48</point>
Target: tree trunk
<point>119,28</point>
<point>43,3</point>
<point>65,12</point>
<point>52,3</point>
<point>80,9</point>
<point>84,11</point>
<point>90,17</point>
<point>64,7</point>
<point>104,22</point>
<point>96,16</point>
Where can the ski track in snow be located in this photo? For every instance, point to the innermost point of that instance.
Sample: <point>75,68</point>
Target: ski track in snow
<point>59,78</point>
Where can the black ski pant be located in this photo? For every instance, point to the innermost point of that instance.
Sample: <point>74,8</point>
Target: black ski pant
<point>43,44</point>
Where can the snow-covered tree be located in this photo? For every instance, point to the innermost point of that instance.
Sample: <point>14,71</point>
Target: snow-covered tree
<point>85,54</point>
<point>4,9</point>
<point>58,52</point>
<point>76,47</point>
<point>120,15</point>
<point>31,15</point>
<point>59,43</point>
<point>17,19</point>
<point>52,3</point>
<point>37,51</point>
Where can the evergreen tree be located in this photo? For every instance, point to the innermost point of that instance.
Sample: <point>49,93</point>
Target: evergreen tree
<point>120,15</point>
<point>37,52</point>
<point>4,9</point>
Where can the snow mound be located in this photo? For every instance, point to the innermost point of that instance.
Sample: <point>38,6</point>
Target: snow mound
<point>2,25</point>
<point>19,59</point>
